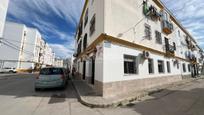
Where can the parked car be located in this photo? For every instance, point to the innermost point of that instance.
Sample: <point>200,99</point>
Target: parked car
<point>51,77</point>
<point>7,70</point>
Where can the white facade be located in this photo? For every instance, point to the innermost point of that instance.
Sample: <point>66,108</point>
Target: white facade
<point>24,48</point>
<point>113,54</point>
<point>48,55</point>
<point>3,12</point>
<point>58,62</point>
<point>32,48</point>
<point>12,44</point>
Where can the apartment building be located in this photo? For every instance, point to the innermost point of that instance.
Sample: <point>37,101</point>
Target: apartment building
<point>24,48</point>
<point>31,49</point>
<point>49,56</point>
<point>59,62</point>
<point>12,45</point>
<point>3,12</point>
<point>124,46</point>
<point>67,63</point>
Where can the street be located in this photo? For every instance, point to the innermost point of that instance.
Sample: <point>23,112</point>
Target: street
<point>17,96</point>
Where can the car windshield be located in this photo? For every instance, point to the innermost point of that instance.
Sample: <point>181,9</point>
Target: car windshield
<point>51,71</point>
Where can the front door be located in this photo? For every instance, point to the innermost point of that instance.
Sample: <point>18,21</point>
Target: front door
<point>193,71</point>
<point>84,70</point>
<point>167,43</point>
<point>93,71</point>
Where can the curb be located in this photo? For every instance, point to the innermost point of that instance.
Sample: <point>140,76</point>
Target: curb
<point>128,100</point>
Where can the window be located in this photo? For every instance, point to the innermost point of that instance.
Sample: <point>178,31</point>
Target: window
<point>184,67</point>
<point>130,64</point>
<point>79,48</point>
<point>80,30</point>
<point>78,66</point>
<point>174,44</point>
<point>189,68</point>
<point>158,37</point>
<point>148,31</point>
<point>92,24</point>
<point>151,66</point>
<point>168,67</point>
<point>177,65</point>
<point>179,33</point>
<point>165,16</point>
<point>51,71</point>
<point>86,17</point>
<point>85,42</point>
<point>160,66</point>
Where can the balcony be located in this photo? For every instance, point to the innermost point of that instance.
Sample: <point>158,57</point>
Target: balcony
<point>193,59</point>
<point>151,12</point>
<point>170,50</point>
<point>167,27</point>
<point>190,45</point>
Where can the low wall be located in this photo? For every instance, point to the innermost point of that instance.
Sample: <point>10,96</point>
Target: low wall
<point>120,87</point>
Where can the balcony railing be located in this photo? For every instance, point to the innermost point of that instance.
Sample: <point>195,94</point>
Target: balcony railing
<point>170,50</point>
<point>194,60</point>
<point>150,11</point>
<point>167,27</point>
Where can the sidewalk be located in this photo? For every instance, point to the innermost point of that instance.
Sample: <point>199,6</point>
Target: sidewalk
<point>88,97</point>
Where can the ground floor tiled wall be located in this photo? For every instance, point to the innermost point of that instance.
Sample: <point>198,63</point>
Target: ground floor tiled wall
<point>122,87</point>
<point>110,76</point>
<point>79,76</point>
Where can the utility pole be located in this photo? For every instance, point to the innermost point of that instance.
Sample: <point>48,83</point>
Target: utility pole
<point>22,48</point>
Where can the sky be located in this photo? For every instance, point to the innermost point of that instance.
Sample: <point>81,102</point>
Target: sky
<point>57,19</point>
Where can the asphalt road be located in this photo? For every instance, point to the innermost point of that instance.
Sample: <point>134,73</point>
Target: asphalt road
<point>17,97</point>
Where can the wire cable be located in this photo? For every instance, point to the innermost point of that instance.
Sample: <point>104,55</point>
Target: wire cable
<point>16,41</point>
<point>17,47</point>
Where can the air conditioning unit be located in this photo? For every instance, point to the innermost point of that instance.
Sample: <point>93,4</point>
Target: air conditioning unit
<point>145,54</point>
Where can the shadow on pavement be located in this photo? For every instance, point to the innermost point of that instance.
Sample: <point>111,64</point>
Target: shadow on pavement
<point>23,86</point>
<point>171,102</point>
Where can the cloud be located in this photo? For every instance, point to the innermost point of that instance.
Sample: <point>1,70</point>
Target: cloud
<point>55,19</point>
<point>190,13</point>
<point>63,50</point>
<point>67,9</point>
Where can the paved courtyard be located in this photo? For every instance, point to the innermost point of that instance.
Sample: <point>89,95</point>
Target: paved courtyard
<point>17,97</point>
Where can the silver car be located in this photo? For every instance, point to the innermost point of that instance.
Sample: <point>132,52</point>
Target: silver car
<point>7,70</point>
<point>51,77</point>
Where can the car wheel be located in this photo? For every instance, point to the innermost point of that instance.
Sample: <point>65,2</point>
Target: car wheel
<point>11,72</point>
<point>37,89</point>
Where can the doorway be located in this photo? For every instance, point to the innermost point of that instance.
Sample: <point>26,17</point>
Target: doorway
<point>93,71</point>
<point>84,70</point>
<point>194,71</point>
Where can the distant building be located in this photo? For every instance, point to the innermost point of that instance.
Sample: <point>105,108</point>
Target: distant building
<point>58,62</point>
<point>67,63</point>
<point>31,49</point>
<point>3,12</point>
<point>24,48</point>
<point>130,45</point>
<point>48,55</point>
